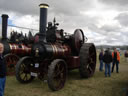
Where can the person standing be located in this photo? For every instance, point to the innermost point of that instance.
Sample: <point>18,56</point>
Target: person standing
<point>107,59</point>
<point>116,60</point>
<point>2,71</point>
<point>126,56</point>
<point>101,60</point>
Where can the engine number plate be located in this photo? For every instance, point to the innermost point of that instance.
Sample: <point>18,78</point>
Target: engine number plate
<point>33,74</point>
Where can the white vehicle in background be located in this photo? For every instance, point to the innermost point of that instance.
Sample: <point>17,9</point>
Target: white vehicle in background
<point>118,49</point>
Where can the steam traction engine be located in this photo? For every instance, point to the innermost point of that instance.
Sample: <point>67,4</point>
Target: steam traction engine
<point>52,53</point>
<point>15,46</point>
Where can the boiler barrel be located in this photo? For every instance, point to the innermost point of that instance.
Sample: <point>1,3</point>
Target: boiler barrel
<point>18,49</point>
<point>51,51</point>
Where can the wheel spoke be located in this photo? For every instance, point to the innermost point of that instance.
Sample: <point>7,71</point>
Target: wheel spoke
<point>23,66</point>
<point>21,72</point>
<point>92,55</point>
<point>90,69</point>
<point>59,72</point>
<point>91,61</point>
<point>24,77</point>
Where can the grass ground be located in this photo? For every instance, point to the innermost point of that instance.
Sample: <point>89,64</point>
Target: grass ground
<point>98,85</point>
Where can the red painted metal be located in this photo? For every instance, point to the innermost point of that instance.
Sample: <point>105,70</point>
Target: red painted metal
<point>20,49</point>
<point>61,51</point>
<point>73,62</point>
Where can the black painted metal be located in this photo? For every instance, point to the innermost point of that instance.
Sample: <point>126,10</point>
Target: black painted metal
<point>43,22</point>
<point>4,26</point>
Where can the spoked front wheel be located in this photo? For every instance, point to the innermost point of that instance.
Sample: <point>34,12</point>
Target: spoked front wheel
<point>23,66</point>
<point>57,73</point>
<point>11,61</point>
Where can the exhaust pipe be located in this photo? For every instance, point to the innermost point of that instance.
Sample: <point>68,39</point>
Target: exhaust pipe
<point>4,26</point>
<point>43,22</point>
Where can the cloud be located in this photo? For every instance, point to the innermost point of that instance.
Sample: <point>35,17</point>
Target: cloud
<point>103,21</point>
<point>70,7</point>
<point>66,7</point>
<point>67,12</point>
<point>109,34</point>
<point>110,28</point>
<point>74,22</point>
<point>20,6</point>
<point>122,19</point>
<point>115,4</point>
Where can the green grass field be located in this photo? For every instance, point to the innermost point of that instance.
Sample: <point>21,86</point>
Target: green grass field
<point>98,85</point>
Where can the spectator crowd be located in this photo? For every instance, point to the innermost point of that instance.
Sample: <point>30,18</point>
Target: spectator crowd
<point>109,60</point>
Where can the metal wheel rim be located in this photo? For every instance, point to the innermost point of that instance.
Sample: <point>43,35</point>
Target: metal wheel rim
<point>59,75</point>
<point>91,60</point>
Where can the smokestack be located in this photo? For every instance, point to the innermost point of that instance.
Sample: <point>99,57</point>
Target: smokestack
<point>43,22</point>
<point>4,26</point>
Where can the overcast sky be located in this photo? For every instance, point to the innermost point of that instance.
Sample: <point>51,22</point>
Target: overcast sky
<point>103,21</point>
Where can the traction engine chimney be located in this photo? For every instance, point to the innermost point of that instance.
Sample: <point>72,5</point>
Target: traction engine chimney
<point>4,26</point>
<point>43,22</point>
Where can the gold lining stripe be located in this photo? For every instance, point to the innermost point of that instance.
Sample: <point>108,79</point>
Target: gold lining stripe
<point>43,6</point>
<point>52,48</point>
<point>53,51</point>
<point>15,47</point>
<point>63,50</point>
<point>23,47</point>
<point>26,49</point>
<point>10,46</point>
<point>56,50</point>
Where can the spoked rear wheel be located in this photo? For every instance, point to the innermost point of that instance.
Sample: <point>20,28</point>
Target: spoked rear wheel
<point>23,70</point>
<point>57,73</point>
<point>87,60</point>
<point>11,61</point>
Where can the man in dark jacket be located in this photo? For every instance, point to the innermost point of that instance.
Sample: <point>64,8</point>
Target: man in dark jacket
<point>2,71</point>
<point>101,60</point>
<point>107,59</point>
